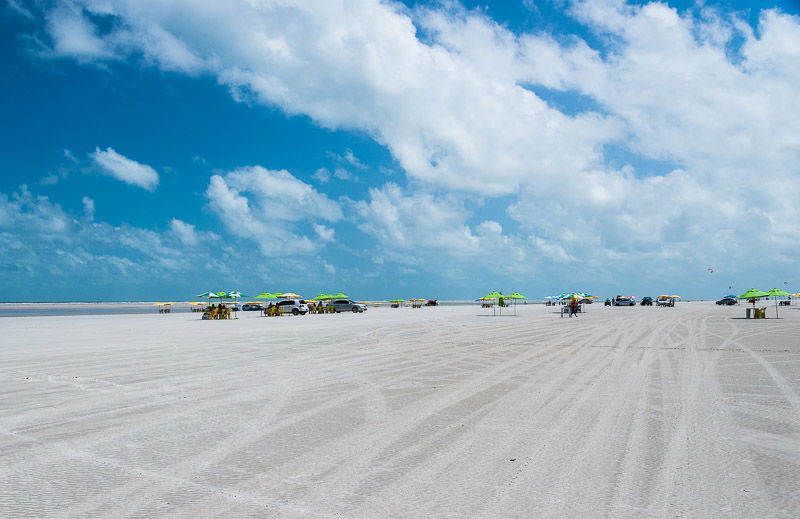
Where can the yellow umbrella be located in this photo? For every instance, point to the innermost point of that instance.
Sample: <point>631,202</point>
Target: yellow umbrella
<point>290,295</point>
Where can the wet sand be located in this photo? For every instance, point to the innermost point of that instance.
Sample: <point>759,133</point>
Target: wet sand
<point>690,411</point>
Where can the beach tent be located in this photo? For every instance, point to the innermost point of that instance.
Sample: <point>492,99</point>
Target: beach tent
<point>500,301</point>
<point>515,296</point>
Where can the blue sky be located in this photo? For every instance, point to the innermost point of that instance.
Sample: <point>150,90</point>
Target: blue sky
<point>153,151</point>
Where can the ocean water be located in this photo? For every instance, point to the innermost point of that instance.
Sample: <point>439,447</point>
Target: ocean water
<point>55,309</point>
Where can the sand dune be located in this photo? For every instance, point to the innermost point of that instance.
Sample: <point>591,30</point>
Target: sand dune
<point>433,412</point>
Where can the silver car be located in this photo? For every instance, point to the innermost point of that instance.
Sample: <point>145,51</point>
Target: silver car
<point>346,305</point>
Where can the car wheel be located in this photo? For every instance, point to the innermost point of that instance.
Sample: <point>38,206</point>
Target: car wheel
<point>295,311</point>
<point>355,310</point>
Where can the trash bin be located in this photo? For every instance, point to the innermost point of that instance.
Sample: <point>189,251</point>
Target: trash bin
<point>748,313</point>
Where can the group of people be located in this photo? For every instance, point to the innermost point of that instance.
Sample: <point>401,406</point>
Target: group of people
<point>217,312</point>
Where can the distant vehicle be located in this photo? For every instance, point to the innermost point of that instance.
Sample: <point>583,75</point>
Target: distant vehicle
<point>292,306</point>
<point>586,301</point>
<point>624,301</point>
<point>252,307</point>
<point>727,301</point>
<point>607,303</point>
<point>432,302</point>
<point>347,305</point>
<point>647,301</point>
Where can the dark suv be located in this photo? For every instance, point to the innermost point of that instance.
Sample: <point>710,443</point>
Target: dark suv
<point>647,301</point>
<point>727,301</point>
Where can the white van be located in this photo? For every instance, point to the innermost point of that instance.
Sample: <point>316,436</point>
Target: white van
<point>292,306</point>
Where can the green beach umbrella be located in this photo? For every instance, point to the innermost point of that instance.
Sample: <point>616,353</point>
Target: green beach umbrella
<point>776,293</point>
<point>216,295</point>
<point>340,296</point>
<point>323,297</point>
<point>267,295</point>
<point>753,294</point>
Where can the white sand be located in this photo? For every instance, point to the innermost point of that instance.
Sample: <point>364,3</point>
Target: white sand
<point>436,412</point>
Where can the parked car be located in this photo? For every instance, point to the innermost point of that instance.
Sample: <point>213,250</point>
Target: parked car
<point>292,306</point>
<point>432,302</point>
<point>347,305</point>
<point>586,301</point>
<point>607,303</point>
<point>647,301</point>
<point>252,307</point>
<point>624,301</point>
<point>727,301</point>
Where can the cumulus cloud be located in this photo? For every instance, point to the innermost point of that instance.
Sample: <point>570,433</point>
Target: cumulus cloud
<point>420,228</point>
<point>269,207</point>
<point>127,170</point>
<point>468,112</point>
<point>185,232</point>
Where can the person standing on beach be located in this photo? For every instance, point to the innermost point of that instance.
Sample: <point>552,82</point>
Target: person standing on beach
<point>573,307</point>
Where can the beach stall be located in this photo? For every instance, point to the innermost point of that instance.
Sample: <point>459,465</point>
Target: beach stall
<point>752,296</point>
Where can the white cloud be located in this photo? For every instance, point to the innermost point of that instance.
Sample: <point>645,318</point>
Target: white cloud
<point>268,207</point>
<point>185,232</point>
<point>53,255</point>
<point>325,234</point>
<point>323,175</point>
<point>343,174</point>
<point>127,170</point>
<point>88,207</point>
<point>28,215</point>
<point>421,228</point>
<point>460,114</point>
<point>74,35</point>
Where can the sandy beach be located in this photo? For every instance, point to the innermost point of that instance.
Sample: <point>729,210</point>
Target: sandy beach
<point>690,411</point>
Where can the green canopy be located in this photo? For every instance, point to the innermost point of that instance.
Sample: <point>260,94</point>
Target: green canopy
<point>776,292</point>
<point>516,295</point>
<point>323,297</point>
<point>753,294</point>
<point>396,300</point>
<point>340,296</point>
<point>493,295</point>
<point>218,295</point>
<point>267,295</point>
